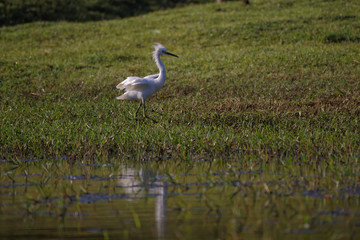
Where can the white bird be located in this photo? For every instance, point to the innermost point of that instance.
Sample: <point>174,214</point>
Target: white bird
<point>137,88</point>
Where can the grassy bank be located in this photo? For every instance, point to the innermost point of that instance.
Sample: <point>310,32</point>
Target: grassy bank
<point>25,11</point>
<point>275,80</point>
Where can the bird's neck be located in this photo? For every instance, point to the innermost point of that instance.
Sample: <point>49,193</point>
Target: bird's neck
<point>161,66</point>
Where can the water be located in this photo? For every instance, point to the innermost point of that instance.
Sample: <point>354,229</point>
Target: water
<point>176,200</point>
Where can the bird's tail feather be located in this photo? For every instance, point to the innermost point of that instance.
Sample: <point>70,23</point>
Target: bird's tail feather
<point>122,97</point>
<point>120,86</point>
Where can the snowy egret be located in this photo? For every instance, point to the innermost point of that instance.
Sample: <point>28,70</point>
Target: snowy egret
<point>137,88</point>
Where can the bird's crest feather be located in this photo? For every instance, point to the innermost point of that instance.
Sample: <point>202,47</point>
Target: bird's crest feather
<point>158,48</point>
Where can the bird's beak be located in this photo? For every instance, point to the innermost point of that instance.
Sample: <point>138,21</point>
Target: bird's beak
<point>170,54</point>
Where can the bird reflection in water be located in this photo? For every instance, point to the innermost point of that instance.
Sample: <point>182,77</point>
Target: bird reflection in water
<point>144,183</point>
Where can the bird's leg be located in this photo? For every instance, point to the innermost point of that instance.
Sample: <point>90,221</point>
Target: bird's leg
<point>144,113</point>
<point>146,116</point>
<point>137,110</point>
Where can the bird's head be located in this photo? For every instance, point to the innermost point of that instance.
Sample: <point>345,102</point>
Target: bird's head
<point>160,50</point>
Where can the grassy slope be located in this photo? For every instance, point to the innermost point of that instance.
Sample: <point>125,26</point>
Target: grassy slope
<point>270,80</point>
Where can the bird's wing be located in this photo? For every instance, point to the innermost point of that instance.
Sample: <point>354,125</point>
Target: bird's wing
<point>132,83</point>
<point>152,76</point>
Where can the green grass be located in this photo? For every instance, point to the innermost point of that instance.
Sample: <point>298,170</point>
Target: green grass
<point>272,80</point>
<point>268,95</point>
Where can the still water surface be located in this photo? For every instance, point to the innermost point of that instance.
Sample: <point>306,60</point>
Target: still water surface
<point>179,200</point>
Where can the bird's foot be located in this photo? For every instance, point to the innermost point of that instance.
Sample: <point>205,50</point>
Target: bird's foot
<point>146,116</point>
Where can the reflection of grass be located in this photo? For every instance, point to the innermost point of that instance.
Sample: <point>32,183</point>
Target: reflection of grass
<point>234,199</point>
<point>270,80</point>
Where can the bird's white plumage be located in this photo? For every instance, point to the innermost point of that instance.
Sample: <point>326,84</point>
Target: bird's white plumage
<point>137,88</point>
<point>152,76</point>
<point>130,82</point>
